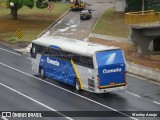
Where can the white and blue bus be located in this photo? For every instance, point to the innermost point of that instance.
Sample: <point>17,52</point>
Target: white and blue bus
<point>87,66</point>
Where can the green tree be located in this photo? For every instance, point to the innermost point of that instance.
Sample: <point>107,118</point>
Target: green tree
<point>15,5</point>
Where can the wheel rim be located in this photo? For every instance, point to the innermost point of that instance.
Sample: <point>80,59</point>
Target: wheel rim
<point>77,85</point>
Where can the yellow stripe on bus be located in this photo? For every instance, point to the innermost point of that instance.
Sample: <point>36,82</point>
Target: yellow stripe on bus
<point>77,74</point>
<point>112,85</point>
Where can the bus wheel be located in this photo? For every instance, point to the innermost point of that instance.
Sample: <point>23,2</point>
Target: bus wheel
<point>78,86</point>
<point>42,73</point>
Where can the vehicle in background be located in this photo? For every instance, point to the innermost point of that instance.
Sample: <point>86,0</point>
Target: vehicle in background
<point>86,66</point>
<point>85,14</point>
<point>77,4</point>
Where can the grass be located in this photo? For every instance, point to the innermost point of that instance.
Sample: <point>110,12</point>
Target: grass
<point>30,21</point>
<point>112,23</point>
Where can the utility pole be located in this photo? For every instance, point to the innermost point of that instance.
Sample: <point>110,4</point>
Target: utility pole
<point>142,6</point>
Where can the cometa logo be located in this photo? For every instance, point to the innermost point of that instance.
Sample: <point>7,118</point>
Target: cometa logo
<point>52,62</point>
<point>112,70</point>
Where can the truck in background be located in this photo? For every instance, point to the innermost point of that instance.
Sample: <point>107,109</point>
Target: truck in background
<point>77,4</point>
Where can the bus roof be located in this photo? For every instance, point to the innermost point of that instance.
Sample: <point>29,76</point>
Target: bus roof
<point>72,45</point>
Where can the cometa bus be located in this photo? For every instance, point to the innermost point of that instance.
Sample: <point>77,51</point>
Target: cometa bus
<point>86,66</point>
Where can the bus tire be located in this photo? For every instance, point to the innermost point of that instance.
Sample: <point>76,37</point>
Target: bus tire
<point>42,73</point>
<point>78,86</point>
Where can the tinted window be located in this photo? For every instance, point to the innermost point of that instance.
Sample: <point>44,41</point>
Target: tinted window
<point>86,61</point>
<point>66,55</point>
<point>55,52</point>
<point>77,58</point>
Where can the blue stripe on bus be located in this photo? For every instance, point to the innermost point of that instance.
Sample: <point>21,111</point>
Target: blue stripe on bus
<point>58,69</point>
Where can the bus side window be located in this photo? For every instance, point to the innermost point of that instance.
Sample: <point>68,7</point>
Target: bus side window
<point>54,52</point>
<point>42,50</point>
<point>87,61</point>
<point>59,53</point>
<point>76,58</point>
<point>46,51</point>
<point>38,48</point>
<point>84,60</point>
<point>90,62</point>
<point>66,55</point>
<point>50,51</point>
<point>63,55</point>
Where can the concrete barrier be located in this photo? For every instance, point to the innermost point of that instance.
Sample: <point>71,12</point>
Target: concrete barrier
<point>146,72</point>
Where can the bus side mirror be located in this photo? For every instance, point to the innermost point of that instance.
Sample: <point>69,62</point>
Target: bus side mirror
<point>31,51</point>
<point>33,55</point>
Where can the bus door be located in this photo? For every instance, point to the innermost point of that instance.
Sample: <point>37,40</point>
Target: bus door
<point>111,68</point>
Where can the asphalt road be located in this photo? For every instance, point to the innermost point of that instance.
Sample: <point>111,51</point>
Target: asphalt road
<point>71,26</point>
<point>21,90</point>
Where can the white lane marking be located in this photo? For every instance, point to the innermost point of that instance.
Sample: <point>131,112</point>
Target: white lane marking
<point>156,102</point>
<point>132,94</point>
<point>29,58</point>
<point>70,92</point>
<point>142,78</point>
<point>34,100</point>
<point>140,96</point>
<point>10,51</point>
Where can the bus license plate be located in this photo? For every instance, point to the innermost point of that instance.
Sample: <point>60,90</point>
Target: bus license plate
<point>112,83</point>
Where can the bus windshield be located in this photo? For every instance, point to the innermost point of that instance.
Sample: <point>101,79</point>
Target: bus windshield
<point>109,57</point>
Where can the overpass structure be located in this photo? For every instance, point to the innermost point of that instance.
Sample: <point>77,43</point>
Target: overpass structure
<point>144,30</point>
